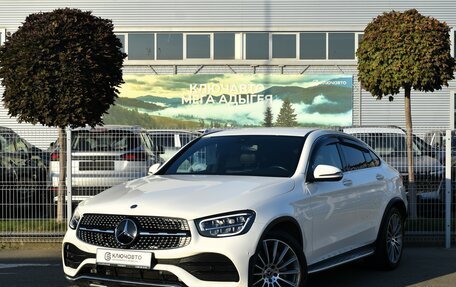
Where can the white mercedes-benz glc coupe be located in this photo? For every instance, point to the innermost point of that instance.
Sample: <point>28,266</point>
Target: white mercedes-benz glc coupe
<point>250,207</point>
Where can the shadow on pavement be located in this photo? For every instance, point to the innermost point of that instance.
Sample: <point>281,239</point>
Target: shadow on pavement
<point>420,267</point>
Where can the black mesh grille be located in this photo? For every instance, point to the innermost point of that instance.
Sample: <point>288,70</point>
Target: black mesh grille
<point>155,233</point>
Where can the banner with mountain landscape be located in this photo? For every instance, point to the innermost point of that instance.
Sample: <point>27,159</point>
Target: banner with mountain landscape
<point>233,100</point>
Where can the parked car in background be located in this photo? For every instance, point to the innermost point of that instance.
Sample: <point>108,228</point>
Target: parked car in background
<point>390,144</point>
<point>171,140</point>
<point>23,174</point>
<point>249,207</point>
<point>436,138</point>
<point>106,156</point>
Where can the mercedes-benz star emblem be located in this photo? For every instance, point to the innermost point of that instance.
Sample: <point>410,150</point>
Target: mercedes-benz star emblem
<point>126,232</point>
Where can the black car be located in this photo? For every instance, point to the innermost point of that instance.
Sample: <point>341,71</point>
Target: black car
<point>23,175</point>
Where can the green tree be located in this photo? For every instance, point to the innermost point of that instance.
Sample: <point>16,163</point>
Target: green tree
<point>268,117</point>
<point>405,51</point>
<point>287,116</point>
<point>60,69</point>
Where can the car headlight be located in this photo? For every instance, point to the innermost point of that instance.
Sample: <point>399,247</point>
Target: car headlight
<point>75,219</point>
<point>224,225</point>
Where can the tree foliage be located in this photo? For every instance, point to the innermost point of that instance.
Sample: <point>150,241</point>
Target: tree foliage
<point>404,50</point>
<point>61,68</point>
<point>268,117</point>
<point>287,116</point>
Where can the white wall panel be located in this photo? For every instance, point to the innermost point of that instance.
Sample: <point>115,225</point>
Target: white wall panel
<point>234,13</point>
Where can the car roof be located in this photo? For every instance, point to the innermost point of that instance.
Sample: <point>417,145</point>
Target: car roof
<point>297,132</point>
<point>134,129</point>
<point>6,130</point>
<point>373,129</point>
<point>171,131</point>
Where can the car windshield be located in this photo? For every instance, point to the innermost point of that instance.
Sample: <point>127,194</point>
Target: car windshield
<point>104,141</point>
<point>6,142</point>
<point>275,156</point>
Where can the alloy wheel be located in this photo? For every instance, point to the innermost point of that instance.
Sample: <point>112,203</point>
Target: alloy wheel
<point>277,265</point>
<point>394,240</point>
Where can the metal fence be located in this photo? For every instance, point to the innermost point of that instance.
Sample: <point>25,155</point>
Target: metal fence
<point>36,186</point>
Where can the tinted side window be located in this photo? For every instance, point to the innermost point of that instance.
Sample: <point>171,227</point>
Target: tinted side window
<point>375,159</point>
<point>328,155</point>
<point>354,157</point>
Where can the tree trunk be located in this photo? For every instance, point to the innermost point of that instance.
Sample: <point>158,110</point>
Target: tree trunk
<point>410,161</point>
<point>62,176</point>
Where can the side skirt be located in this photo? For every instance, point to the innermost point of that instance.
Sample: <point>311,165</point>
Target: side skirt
<point>342,259</point>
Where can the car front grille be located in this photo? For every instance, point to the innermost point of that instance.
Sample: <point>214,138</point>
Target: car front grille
<point>154,233</point>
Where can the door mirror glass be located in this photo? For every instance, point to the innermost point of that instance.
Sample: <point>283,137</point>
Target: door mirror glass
<point>327,173</point>
<point>154,168</point>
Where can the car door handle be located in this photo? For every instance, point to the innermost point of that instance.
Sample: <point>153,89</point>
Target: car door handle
<point>347,182</point>
<point>380,177</point>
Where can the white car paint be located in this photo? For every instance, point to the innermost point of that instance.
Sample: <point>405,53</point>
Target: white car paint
<point>335,216</point>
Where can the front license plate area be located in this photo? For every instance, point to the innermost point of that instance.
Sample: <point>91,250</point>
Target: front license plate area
<point>124,258</point>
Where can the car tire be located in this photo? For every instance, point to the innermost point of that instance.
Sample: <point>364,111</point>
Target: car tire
<point>390,241</point>
<point>278,259</point>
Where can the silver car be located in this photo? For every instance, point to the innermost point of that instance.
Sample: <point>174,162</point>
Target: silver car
<point>106,156</point>
<point>171,140</point>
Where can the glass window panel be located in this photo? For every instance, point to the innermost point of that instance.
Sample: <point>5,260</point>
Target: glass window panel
<point>140,46</point>
<point>341,46</point>
<point>284,46</point>
<point>224,46</point>
<point>170,47</point>
<point>360,38</point>
<point>328,155</point>
<point>198,46</point>
<point>354,157</point>
<point>257,46</point>
<point>122,41</point>
<point>312,46</point>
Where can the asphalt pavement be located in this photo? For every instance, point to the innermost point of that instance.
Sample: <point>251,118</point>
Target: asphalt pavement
<point>420,267</point>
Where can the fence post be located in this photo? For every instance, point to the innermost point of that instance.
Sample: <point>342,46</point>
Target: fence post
<point>448,189</point>
<point>69,197</point>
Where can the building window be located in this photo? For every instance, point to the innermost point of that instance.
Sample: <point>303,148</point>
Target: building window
<point>257,46</point>
<point>360,38</point>
<point>140,46</point>
<point>122,41</point>
<point>284,46</point>
<point>170,47</point>
<point>224,46</point>
<point>312,46</point>
<point>341,46</point>
<point>198,46</point>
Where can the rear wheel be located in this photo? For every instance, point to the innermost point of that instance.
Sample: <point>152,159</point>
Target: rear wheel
<point>390,242</point>
<point>278,262</point>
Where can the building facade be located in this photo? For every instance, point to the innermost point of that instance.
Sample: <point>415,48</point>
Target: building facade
<point>289,37</point>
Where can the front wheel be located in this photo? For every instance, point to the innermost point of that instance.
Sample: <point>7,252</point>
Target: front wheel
<point>390,242</point>
<point>278,262</point>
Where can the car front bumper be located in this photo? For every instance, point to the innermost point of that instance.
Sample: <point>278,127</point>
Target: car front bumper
<point>237,250</point>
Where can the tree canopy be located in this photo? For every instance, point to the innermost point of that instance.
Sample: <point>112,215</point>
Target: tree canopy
<point>61,68</point>
<point>287,116</point>
<point>268,117</point>
<point>404,50</point>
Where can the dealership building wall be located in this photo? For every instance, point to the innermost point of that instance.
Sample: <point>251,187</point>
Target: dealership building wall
<point>243,19</point>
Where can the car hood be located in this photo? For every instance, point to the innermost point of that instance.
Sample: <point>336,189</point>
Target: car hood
<point>187,196</point>
<point>423,165</point>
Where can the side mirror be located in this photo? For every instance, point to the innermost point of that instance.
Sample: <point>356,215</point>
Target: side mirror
<point>153,169</point>
<point>327,173</point>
